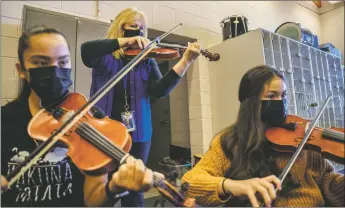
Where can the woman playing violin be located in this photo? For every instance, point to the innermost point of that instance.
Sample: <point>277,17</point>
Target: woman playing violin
<point>129,101</point>
<point>240,169</point>
<point>45,68</point>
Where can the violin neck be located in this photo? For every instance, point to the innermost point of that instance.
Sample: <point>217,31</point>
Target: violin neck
<point>167,45</point>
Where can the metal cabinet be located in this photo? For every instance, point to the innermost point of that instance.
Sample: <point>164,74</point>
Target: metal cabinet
<point>311,74</point>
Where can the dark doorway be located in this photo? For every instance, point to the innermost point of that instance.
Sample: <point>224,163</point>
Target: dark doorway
<point>160,108</point>
<point>161,136</point>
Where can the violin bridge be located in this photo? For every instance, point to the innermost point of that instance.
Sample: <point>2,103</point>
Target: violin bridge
<point>64,118</point>
<point>306,127</point>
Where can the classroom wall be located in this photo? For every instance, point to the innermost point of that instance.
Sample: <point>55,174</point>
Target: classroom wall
<point>201,21</point>
<point>332,28</point>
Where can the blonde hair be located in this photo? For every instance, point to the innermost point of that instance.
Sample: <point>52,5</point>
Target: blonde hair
<point>129,15</point>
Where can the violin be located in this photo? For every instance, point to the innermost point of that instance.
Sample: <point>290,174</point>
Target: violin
<point>95,145</point>
<point>327,141</point>
<point>109,139</point>
<point>78,138</point>
<point>297,133</point>
<point>166,51</point>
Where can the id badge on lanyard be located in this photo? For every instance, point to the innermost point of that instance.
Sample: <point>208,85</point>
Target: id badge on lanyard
<point>127,116</point>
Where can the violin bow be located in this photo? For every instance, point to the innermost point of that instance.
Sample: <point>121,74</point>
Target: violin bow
<point>71,121</point>
<point>308,130</point>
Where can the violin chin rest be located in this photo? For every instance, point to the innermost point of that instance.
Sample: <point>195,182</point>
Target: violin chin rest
<point>289,126</point>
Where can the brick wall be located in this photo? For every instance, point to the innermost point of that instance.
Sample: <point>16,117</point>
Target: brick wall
<point>201,21</point>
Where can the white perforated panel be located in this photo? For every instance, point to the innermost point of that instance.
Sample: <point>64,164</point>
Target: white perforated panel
<point>310,75</point>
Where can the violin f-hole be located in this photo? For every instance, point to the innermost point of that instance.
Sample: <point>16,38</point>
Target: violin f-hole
<point>299,139</point>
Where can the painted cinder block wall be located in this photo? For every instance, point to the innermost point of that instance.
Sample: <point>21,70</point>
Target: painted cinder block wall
<point>201,21</point>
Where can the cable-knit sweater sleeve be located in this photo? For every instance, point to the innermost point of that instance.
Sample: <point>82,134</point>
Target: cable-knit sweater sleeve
<point>207,174</point>
<point>333,186</point>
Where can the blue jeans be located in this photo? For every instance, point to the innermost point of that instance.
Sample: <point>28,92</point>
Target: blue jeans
<point>139,150</point>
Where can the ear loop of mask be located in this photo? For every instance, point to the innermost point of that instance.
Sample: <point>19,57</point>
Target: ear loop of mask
<point>27,74</point>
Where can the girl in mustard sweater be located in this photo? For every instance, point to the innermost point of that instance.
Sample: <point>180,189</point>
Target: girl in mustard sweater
<point>240,169</point>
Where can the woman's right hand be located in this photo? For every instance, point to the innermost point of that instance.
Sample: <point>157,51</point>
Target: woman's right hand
<point>4,184</point>
<point>133,176</point>
<point>134,42</point>
<point>250,187</point>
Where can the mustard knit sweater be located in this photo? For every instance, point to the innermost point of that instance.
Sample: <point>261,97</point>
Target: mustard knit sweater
<point>319,185</point>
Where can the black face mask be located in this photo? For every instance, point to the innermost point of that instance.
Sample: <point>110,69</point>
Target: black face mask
<point>133,33</point>
<point>273,112</point>
<point>50,83</point>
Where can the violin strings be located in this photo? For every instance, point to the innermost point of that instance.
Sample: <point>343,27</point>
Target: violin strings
<point>84,134</point>
<point>108,142</point>
<point>102,142</point>
<point>105,142</point>
<point>78,123</point>
<point>106,149</point>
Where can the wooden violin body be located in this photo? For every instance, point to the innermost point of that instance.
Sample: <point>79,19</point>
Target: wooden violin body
<point>87,157</point>
<point>329,142</point>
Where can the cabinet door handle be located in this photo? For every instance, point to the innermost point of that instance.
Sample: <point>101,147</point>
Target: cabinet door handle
<point>164,122</point>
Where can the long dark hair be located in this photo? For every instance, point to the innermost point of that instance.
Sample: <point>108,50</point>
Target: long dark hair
<point>243,141</point>
<point>23,44</point>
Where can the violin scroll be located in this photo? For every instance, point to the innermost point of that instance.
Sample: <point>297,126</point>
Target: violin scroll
<point>210,56</point>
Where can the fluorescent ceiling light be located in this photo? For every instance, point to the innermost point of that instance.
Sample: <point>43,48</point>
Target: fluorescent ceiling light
<point>334,2</point>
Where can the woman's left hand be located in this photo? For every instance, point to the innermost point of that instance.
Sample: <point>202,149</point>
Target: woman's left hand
<point>192,52</point>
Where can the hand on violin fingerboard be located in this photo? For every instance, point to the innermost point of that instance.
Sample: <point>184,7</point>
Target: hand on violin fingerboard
<point>192,52</point>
